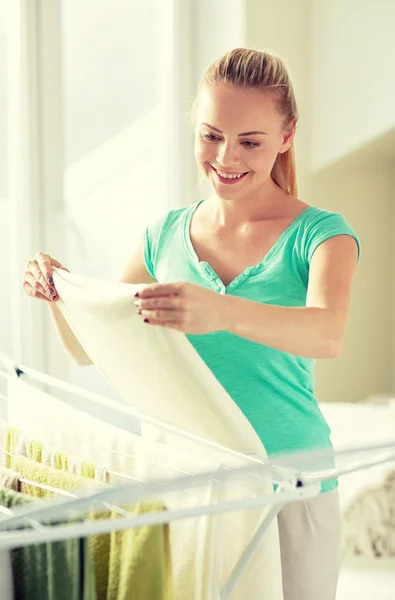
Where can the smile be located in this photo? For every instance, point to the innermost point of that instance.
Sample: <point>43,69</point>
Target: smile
<point>229,178</point>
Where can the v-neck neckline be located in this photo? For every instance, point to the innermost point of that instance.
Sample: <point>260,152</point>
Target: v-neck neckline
<point>249,269</point>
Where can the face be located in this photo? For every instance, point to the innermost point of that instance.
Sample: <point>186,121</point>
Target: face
<point>239,134</point>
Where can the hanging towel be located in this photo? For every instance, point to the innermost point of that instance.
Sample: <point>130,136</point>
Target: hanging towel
<point>203,549</point>
<point>51,571</point>
<point>146,546</point>
<point>159,371</point>
<point>9,479</point>
<point>98,544</point>
<point>34,471</point>
<point>3,427</point>
<point>52,457</point>
<point>19,444</point>
<point>140,562</point>
<point>35,451</point>
<point>6,582</point>
<point>11,440</point>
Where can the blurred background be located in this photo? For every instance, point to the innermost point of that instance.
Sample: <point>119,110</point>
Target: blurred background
<point>96,141</point>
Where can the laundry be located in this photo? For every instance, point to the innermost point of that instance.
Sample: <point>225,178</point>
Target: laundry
<point>50,571</point>
<point>204,550</point>
<point>123,562</point>
<point>9,479</point>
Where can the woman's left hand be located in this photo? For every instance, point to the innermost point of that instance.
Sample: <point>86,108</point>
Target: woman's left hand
<point>185,306</point>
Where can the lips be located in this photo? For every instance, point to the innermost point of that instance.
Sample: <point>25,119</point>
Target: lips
<point>227,179</point>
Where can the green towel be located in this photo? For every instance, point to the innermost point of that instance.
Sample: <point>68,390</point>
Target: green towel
<point>36,451</point>
<point>35,471</point>
<point>11,440</point>
<point>133,563</point>
<point>99,545</point>
<point>88,469</point>
<point>50,571</point>
<point>140,562</point>
<point>62,461</point>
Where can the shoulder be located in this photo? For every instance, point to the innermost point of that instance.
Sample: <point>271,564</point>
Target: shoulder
<point>168,221</point>
<point>161,231</point>
<point>320,225</point>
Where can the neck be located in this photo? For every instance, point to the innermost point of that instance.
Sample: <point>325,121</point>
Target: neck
<point>235,212</point>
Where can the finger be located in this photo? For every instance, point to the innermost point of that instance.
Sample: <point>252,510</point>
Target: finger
<point>169,324</point>
<point>166,302</point>
<point>160,289</point>
<point>35,293</point>
<point>159,315</point>
<point>34,274</point>
<point>37,286</point>
<point>45,262</point>
<point>40,266</point>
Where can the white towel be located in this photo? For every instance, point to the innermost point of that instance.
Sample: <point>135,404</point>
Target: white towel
<point>159,371</point>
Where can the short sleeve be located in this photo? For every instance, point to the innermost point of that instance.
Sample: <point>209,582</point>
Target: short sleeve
<point>147,252</point>
<point>324,226</point>
<point>154,239</point>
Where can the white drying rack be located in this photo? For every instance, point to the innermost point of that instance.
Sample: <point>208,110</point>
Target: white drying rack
<point>294,474</point>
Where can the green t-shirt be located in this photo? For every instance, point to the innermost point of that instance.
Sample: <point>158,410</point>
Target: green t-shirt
<point>274,389</point>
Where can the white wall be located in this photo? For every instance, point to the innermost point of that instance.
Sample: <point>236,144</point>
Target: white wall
<point>284,28</point>
<point>364,195</point>
<point>352,74</point>
<point>319,41</point>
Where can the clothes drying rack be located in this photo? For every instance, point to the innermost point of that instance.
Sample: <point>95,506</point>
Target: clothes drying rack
<point>296,477</point>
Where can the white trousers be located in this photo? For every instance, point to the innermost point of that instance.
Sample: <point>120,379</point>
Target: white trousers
<point>310,544</point>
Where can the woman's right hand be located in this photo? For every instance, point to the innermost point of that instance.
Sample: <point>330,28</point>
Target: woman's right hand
<point>37,279</point>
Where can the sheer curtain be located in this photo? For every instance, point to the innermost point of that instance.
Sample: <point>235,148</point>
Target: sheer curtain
<point>115,164</point>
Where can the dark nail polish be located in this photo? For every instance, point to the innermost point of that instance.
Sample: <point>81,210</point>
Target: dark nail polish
<point>146,321</point>
<point>136,295</point>
<point>50,280</point>
<point>139,312</point>
<point>52,292</point>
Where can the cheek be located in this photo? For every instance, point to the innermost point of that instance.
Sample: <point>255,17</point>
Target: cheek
<point>257,162</point>
<point>260,161</point>
<point>202,151</point>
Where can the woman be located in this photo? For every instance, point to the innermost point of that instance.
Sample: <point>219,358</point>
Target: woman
<point>258,280</point>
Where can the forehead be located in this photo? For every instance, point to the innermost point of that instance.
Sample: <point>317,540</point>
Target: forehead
<point>229,108</point>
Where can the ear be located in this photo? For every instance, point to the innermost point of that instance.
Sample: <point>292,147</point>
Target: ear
<point>288,136</point>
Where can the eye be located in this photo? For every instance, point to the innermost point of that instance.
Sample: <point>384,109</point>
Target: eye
<point>250,145</point>
<point>210,137</point>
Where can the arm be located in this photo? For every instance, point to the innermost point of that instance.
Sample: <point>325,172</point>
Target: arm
<point>314,331</point>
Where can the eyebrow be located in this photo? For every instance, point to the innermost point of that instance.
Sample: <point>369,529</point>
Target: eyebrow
<point>240,134</point>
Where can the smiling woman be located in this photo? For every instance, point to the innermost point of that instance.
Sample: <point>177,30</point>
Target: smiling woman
<point>260,281</point>
<point>239,150</point>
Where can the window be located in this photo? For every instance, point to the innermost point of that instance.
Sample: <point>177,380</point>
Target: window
<point>5,296</point>
<point>114,157</point>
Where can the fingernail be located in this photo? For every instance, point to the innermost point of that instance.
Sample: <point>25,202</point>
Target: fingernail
<point>50,280</point>
<point>136,295</point>
<point>137,302</point>
<point>146,321</point>
<point>52,291</point>
<point>139,312</point>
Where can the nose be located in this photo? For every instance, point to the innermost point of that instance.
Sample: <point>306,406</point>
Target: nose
<point>228,155</point>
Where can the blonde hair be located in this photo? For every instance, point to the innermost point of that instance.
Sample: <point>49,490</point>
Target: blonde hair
<point>261,70</point>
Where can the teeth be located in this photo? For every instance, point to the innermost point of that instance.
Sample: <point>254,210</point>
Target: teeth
<point>228,176</point>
